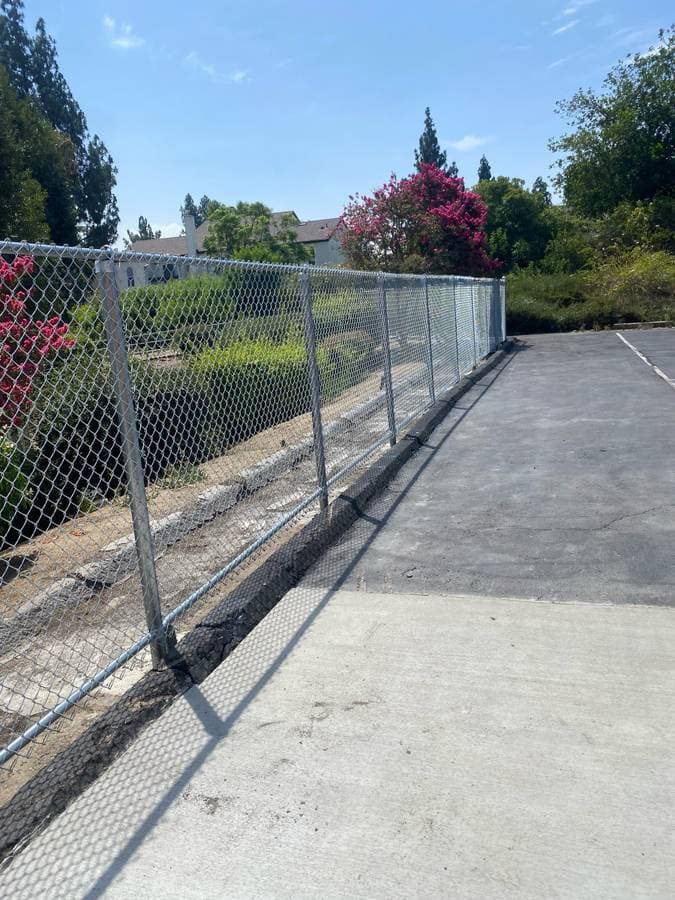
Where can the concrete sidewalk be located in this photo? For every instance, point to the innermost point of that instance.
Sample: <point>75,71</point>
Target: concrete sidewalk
<point>409,721</point>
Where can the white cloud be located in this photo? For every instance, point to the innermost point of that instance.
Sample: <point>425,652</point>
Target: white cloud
<point>468,142</point>
<point>559,62</point>
<point>566,27</point>
<point>241,76</point>
<point>122,36</point>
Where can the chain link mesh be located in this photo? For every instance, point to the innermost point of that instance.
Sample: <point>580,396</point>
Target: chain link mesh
<point>247,386</point>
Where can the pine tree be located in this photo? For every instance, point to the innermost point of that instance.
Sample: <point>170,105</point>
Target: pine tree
<point>430,150</point>
<point>99,214</point>
<point>540,188</point>
<point>203,209</point>
<point>484,170</point>
<point>34,75</point>
<point>15,47</point>
<point>197,211</point>
<point>145,233</point>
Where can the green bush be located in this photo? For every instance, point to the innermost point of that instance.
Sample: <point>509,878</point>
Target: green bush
<point>14,487</point>
<point>633,287</point>
<point>250,385</point>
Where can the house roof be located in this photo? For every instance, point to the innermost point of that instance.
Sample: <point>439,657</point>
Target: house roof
<point>316,230</point>
<point>307,232</point>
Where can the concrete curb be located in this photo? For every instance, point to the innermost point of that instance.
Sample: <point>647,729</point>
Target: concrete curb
<point>214,638</point>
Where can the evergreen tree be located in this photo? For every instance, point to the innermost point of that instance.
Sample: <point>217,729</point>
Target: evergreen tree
<point>34,75</point>
<point>430,150</point>
<point>15,47</point>
<point>197,211</point>
<point>484,170</point>
<point>52,94</point>
<point>99,213</point>
<point>189,208</point>
<point>203,209</point>
<point>145,233</point>
<point>540,189</point>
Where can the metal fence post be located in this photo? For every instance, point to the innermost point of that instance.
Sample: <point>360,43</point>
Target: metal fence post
<point>454,310</point>
<point>473,321</point>
<point>430,352</point>
<point>502,301</point>
<point>314,385</point>
<point>163,643</point>
<point>386,357</point>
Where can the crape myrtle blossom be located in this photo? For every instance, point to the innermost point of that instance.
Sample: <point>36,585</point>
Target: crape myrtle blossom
<point>26,344</point>
<point>427,222</point>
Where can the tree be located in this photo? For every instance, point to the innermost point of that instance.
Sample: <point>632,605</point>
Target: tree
<point>36,183</point>
<point>98,207</point>
<point>15,47</point>
<point>249,231</point>
<point>203,209</point>
<point>199,212</point>
<point>484,170</point>
<point>540,189</point>
<point>86,207</point>
<point>145,233</point>
<point>427,222</point>
<point>622,146</point>
<point>52,94</point>
<point>517,229</point>
<point>430,150</point>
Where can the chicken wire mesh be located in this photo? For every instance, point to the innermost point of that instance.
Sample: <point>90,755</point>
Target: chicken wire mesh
<point>163,417</point>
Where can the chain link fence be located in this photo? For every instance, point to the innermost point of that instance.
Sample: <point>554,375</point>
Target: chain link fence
<point>154,437</point>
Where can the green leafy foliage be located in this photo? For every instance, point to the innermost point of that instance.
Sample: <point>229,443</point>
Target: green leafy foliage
<point>249,231</point>
<point>622,147</point>
<point>635,287</point>
<point>14,485</point>
<point>517,227</point>
<point>64,177</point>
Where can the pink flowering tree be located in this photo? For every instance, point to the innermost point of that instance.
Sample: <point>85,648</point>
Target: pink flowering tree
<point>426,222</point>
<point>27,345</point>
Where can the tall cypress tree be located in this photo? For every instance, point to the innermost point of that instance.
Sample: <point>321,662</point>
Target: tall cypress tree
<point>484,170</point>
<point>430,150</point>
<point>35,76</point>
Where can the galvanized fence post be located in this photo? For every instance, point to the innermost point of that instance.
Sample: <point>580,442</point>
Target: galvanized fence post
<point>473,321</point>
<point>386,357</point>
<point>163,643</point>
<point>430,352</point>
<point>314,385</point>
<point>454,310</point>
<point>502,301</point>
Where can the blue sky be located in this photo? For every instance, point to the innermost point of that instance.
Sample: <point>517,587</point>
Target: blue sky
<point>300,104</point>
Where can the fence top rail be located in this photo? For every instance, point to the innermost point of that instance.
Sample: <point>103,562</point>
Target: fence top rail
<point>204,262</point>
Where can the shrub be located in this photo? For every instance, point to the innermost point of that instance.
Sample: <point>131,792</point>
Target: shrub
<point>27,345</point>
<point>250,385</point>
<point>346,358</point>
<point>14,486</point>
<point>633,287</point>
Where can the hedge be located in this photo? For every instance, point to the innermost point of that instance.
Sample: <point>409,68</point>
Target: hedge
<point>187,413</point>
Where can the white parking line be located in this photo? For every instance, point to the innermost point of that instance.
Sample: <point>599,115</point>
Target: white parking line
<point>644,359</point>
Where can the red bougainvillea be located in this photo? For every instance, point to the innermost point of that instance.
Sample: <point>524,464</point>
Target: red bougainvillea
<point>26,345</point>
<point>427,222</point>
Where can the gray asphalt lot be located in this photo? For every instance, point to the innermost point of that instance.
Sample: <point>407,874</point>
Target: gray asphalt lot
<point>557,484</point>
